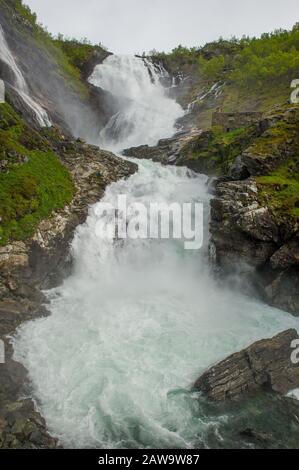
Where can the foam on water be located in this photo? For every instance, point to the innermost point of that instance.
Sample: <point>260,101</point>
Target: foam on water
<point>138,320</point>
<point>146,113</point>
<point>132,329</point>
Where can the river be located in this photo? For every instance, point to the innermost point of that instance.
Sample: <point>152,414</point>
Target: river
<point>138,320</point>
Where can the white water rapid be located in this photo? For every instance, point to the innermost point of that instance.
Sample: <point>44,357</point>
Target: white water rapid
<point>138,321</point>
<point>20,84</point>
<point>146,113</point>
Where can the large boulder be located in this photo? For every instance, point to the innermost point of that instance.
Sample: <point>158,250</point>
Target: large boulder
<point>265,365</point>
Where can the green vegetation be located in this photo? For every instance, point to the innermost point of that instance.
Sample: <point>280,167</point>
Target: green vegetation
<point>256,72</point>
<point>280,189</point>
<point>275,141</point>
<point>33,182</point>
<point>273,57</point>
<point>179,59</point>
<point>26,13</point>
<point>248,61</point>
<point>214,151</point>
<point>78,52</point>
<point>69,54</point>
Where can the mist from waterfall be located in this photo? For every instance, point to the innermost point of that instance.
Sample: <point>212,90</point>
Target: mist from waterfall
<point>138,320</point>
<point>145,113</point>
<point>19,83</point>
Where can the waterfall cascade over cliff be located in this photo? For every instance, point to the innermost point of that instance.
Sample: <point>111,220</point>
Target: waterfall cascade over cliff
<point>19,84</point>
<point>146,113</point>
<point>138,320</point>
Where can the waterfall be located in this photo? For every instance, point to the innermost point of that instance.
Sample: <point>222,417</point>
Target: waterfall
<point>138,320</point>
<point>146,113</point>
<point>19,83</point>
<point>2,91</point>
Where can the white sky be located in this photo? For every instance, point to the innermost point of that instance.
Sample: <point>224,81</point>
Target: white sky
<point>134,26</point>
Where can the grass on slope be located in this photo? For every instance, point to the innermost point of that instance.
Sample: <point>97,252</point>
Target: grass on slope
<point>33,182</point>
<point>280,190</point>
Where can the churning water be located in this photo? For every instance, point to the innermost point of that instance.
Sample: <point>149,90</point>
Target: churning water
<point>138,320</point>
<point>146,113</point>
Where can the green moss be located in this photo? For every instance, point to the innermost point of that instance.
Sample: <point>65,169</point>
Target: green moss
<point>280,189</point>
<point>214,151</point>
<point>274,141</point>
<point>33,183</point>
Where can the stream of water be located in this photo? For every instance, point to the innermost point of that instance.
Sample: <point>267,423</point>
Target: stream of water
<point>138,320</point>
<point>19,83</point>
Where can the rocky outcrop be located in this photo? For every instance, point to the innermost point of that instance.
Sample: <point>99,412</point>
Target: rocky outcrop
<point>241,228</point>
<point>247,234</point>
<point>211,152</point>
<point>277,143</point>
<point>21,426</point>
<point>264,366</point>
<point>42,261</point>
<point>167,151</point>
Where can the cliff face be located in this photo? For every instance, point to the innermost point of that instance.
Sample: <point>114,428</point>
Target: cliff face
<point>55,80</point>
<point>254,215</point>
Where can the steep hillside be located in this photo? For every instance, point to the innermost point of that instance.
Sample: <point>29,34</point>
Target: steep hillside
<point>250,74</point>
<point>55,72</point>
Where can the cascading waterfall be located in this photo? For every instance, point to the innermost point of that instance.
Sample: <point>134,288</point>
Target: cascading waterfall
<point>138,320</point>
<point>19,83</point>
<point>146,113</point>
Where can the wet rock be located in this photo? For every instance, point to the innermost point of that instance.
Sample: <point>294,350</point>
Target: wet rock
<point>277,144</point>
<point>283,290</point>
<point>287,256</point>
<point>247,237</point>
<point>254,435</point>
<point>21,427</point>
<point>167,151</point>
<point>264,366</point>
<point>242,230</point>
<point>97,57</point>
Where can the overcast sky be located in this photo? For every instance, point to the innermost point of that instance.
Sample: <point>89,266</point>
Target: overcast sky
<point>131,26</point>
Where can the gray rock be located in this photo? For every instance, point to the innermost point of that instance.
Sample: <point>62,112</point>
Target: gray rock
<point>265,365</point>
